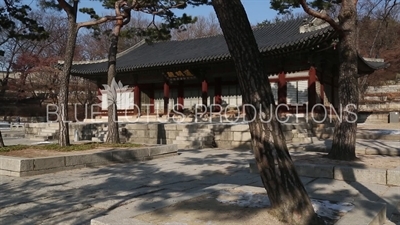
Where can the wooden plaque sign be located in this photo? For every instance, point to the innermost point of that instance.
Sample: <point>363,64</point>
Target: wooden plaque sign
<point>180,75</point>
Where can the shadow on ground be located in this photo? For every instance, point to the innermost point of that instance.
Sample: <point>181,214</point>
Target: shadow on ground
<point>126,190</point>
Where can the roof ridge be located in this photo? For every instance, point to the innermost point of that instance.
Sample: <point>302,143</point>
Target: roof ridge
<point>126,51</point>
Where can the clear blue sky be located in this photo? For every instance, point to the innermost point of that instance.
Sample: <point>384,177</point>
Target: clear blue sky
<point>257,10</point>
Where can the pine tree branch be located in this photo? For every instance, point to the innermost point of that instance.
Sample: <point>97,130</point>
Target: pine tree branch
<point>322,16</point>
<point>99,21</point>
<point>157,10</point>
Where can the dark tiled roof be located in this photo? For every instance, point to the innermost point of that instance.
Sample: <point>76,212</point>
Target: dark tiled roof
<point>270,39</point>
<point>368,66</point>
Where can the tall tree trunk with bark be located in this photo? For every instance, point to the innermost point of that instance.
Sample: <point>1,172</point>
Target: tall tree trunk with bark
<point>285,190</point>
<point>65,77</point>
<point>113,133</point>
<point>2,145</point>
<point>344,137</point>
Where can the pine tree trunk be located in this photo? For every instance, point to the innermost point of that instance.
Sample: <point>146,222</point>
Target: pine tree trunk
<point>64,81</point>
<point>113,133</point>
<point>2,145</point>
<point>285,190</point>
<point>344,137</point>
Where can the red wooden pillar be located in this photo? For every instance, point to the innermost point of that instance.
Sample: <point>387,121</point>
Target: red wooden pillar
<point>166,97</point>
<point>136,99</point>
<point>180,95</point>
<point>282,88</point>
<point>312,93</point>
<point>218,93</point>
<point>204,92</point>
<point>151,93</point>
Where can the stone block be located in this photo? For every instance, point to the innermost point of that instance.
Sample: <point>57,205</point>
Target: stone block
<point>169,127</point>
<point>10,173</point>
<point>131,155</point>
<point>224,144</point>
<point>15,164</point>
<point>314,170</point>
<point>138,133</point>
<point>225,136</point>
<point>241,144</point>
<point>365,212</point>
<point>346,173</point>
<point>172,134</point>
<point>393,176</point>
<point>137,126</point>
<point>84,159</point>
<point>241,136</point>
<point>382,151</point>
<point>51,170</point>
<point>140,140</point>
<point>48,163</point>
<point>220,128</point>
<point>151,126</point>
<point>163,149</point>
<point>240,128</point>
<point>152,133</point>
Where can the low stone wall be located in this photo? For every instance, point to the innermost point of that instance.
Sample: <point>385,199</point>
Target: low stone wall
<point>19,167</point>
<point>345,173</point>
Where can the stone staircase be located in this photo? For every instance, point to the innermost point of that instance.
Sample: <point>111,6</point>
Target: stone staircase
<point>194,138</point>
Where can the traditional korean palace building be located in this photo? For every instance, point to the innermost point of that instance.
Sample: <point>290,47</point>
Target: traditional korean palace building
<point>300,56</point>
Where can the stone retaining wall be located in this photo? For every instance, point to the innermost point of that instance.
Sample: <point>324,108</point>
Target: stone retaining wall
<point>225,135</point>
